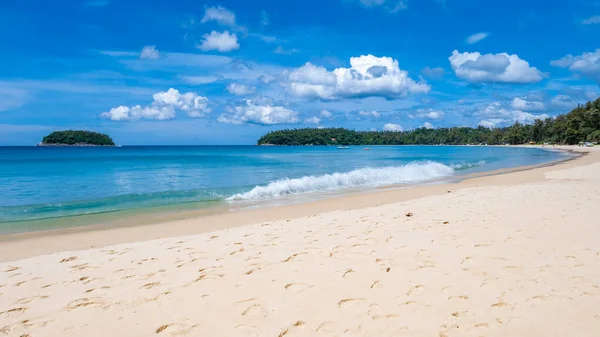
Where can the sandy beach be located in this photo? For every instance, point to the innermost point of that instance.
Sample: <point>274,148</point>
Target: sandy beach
<point>512,254</point>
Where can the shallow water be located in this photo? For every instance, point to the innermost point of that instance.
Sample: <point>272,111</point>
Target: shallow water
<point>50,182</point>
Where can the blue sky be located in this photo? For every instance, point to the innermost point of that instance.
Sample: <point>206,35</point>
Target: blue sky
<point>194,72</point>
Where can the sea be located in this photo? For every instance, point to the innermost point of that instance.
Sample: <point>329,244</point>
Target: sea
<point>53,187</point>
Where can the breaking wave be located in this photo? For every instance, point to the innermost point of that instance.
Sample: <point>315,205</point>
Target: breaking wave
<point>368,177</point>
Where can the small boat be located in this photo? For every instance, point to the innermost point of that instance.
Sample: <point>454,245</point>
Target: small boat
<point>343,147</point>
<point>367,149</point>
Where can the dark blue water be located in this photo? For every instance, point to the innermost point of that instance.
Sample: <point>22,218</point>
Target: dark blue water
<point>50,182</point>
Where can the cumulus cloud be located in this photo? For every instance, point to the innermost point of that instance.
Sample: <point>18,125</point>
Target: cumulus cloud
<point>436,72</point>
<point>391,6</point>
<point>427,113</point>
<point>505,68</point>
<point>223,42</point>
<point>495,115</point>
<point>372,114</point>
<point>150,53</point>
<point>326,114</point>
<point>219,14</point>
<point>312,120</point>
<point>519,103</point>
<point>164,106</point>
<point>259,112</point>
<point>368,76</point>
<point>491,123</point>
<point>563,102</point>
<point>240,89</point>
<point>592,20</point>
<point>477,37</point>
<point>392,127</point>
<point>586,64</point>
<point>428,125</point>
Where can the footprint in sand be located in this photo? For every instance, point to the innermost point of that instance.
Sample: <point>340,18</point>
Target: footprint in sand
<point>255,310</point>
<point>460,297</point>
<point>349,301</point>
<point>85,302</point>
<point>176,329</point>
<point>297,287</point>
<point>14,311</point>
<point>30,299</point>
<point>416,290</point>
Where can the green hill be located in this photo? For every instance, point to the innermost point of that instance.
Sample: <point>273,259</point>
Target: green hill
<point>581,124</point>
<point>77,138</point>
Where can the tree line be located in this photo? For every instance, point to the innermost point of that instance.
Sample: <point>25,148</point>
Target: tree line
<point>579,125</point>
<point>74,137</point>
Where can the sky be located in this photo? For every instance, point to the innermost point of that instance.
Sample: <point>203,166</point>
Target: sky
<point>187,72</point>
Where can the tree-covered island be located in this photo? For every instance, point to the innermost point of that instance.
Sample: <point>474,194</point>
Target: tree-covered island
<point>582,124</point>
<point>76,138</point>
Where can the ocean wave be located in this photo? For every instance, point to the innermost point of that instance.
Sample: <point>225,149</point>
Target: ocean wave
<point>364,177</point>
<point>464,166</point>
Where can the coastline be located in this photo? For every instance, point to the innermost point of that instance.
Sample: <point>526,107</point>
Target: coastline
<point>133,227</point>
<point>496,255</point>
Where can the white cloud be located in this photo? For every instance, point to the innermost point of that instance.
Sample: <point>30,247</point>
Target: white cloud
<point>223,42</point>
<point>326,114</point>
<point>587,64</point>
<point>477,37</point>
<point>490,123</point>
<point>391,6</point>
<point>198,80</point>
<point>137,112</point>
<point>563,102</point>
<point>219,14</point>
<point>164,107</point>
<point>502,67</point>
<point>312,120</point>
<point>497,115</point>
<point>437,72</point>
<point>240,89</point>
<point>428,125</point>
<point>392,127</point>
<point>372,114</point>
<point>519,103</point>
<point>526,117</point>
<point>264,18</point>
<point>262,113</point>
<point>150,53</point>
<point>367,76</point>
<point>430,113</point>
<point>592,20</point>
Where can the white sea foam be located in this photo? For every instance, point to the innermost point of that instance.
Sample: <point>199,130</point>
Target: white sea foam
<point>463,166</point>
<point>364,177</point>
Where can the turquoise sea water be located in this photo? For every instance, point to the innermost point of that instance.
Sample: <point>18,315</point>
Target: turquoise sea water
<point>52,182</point>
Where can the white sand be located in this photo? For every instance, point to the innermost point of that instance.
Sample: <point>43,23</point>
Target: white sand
<point>511,259</point>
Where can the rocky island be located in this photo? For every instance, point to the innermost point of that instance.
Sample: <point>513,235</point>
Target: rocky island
<point>76,138</point>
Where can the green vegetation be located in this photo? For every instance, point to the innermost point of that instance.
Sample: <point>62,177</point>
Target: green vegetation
<point>581,124</point>
<point>77,138</point>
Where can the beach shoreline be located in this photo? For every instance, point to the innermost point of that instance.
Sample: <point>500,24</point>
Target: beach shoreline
<point>511,254</point>
<point>129,227</point>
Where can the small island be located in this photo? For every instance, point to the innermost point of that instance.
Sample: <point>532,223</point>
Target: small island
<point>76,138</point>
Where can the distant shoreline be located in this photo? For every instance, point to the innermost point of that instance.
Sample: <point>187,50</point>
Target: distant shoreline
<point>73,145</point>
